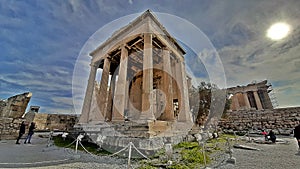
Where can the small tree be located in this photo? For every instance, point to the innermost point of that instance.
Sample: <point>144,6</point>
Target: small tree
<point>201,102</point>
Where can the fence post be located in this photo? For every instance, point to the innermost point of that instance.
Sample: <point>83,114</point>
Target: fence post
<point>129,155</point>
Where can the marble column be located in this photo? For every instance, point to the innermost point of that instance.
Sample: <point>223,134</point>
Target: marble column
<point>246,101</point>
<point>102,95</point>
<point>167,86</point>
<point>235,101</point>
<point>257,100</point>
<point>184,115</point>
<point>84,117</point>
<point>267,100</point>
<point>108,116</point>
<point>147,87</point>
<point>120,98</point>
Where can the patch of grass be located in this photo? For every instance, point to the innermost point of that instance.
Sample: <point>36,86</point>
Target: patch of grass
<point>147,167</point>
<point>191,156</point>
<point>178,166</point>
<point>144,164</point>
<point>91,147</point>
<point>186,145</point>
<point>159,153</point>
<point>194,158</point>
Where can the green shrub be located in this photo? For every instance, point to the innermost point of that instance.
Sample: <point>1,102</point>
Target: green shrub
<point>194,156</point>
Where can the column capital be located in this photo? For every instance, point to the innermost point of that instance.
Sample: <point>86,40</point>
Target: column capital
<point>166,48</point>
<point>94,64</point>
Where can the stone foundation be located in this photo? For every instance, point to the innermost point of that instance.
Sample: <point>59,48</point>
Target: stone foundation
<point>147,137</point>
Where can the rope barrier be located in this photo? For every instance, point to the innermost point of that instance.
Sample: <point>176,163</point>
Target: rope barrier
<point>120,151</point>
<point>86,149</point>
<point>130,145</point>
<point>69,144</point>
<point>139,151</point>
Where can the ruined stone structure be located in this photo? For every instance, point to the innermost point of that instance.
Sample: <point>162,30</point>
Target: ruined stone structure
<point>254,96</point>
<point>143,90</point>
<point>49,122</point>
<point>15,106</point>
<point>282,120</point>
<point>61,122</point>
<point>11,112</point>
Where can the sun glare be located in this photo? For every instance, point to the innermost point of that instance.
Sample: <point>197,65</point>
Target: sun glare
<point>278,31</point>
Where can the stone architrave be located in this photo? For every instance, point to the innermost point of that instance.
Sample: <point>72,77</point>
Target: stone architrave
<point>257,100</point>
<point>119,97</point>
<point>84,118</point>
<point>147,95</point>
<point>167,86</point>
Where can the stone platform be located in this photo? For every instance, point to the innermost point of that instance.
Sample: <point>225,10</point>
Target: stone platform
<point>147,136</point>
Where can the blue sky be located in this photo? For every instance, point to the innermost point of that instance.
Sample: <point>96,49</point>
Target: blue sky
<point>40,42</point>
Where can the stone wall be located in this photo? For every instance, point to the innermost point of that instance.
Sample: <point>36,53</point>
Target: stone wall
<point>282,120</point>
<point>9,128</point>
<point>45,121</point>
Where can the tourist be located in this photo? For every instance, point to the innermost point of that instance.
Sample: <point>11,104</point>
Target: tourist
<point>264,133</point>
<point>272,136</point>
<point>30,133</point>
<point>297,135</point>
<point>21,132</point>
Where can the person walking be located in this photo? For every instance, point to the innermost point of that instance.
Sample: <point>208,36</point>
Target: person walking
<point>272,136</point>
<point>21,132</point>
<point>30,133</point>
<point>297,135</point>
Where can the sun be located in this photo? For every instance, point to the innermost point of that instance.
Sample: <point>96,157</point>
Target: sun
<point>278,31</point>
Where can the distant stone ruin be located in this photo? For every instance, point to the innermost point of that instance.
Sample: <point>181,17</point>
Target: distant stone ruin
<point>11,112</point>
<point>252,109</point>
<point>143,93</point>
<point>254,96</point>
<point>15,106</point>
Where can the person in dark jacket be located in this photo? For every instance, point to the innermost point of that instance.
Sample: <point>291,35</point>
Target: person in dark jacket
<point>297,135</point>
<point>272,136</point>
<point>30,133</point>
<point>21,132</point>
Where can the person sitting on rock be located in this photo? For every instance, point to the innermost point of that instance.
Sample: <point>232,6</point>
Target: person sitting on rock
<point>297,135</point>
<point>272,136</point>
<point>264,133</point>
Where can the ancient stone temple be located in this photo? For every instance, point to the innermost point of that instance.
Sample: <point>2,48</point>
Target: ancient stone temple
<point>253,96</point>
<point>143,91</point>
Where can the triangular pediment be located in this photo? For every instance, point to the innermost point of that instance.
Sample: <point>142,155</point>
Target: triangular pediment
<point>145,23</point>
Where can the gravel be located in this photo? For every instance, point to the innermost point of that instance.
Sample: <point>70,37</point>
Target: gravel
<point>270,156</point>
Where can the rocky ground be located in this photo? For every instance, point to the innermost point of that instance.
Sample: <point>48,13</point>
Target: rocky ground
<point>39,156</point>
<point>270,156</point>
